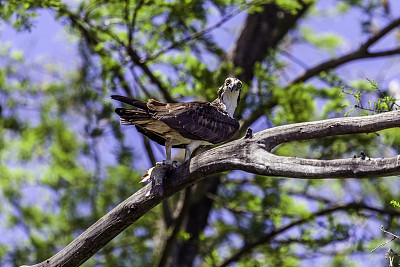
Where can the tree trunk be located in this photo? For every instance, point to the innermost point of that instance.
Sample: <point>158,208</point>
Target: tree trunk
<point>262,32</point>
<point>196,221</point>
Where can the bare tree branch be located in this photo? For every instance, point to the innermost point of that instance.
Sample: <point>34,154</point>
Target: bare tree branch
<point>255,115</point>
<point>384,53</point>
<point>377,36</point>
<point>361,52</point>
<point>387,232</point>
<point>251,155</point>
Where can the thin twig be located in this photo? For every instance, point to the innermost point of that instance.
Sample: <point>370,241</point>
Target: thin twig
<point>391,240</point>
<point>394,236</point>
<point>133,23</point>
<point>381,245</point>
<point>294,59</point>
<point>199,33</point>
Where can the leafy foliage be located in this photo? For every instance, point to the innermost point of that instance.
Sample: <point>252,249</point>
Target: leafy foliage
<point>65,161</point>
<point>395,203</point>
<point>384,103</point>
<point>329,42</point>
<point>22,13</point>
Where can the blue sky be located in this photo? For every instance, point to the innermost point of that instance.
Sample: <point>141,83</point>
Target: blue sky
<point>49,42</point>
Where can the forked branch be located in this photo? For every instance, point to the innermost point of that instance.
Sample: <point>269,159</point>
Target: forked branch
<point>247,154</point>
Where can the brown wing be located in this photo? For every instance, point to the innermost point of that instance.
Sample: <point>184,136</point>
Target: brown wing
<point>142,120</point>
<point>195,120</point>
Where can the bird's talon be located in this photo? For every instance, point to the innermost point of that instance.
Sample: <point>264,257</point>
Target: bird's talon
<point>175,164</point>
<point>156,175</point>
<point>165,162</point>
<point>249,134</point>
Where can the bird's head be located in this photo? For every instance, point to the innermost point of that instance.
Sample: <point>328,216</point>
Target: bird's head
<point>232,84</point>
<point>229,94</point>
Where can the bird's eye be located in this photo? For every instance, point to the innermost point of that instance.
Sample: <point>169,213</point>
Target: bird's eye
<point>227,82</point>
<point>239,85</point>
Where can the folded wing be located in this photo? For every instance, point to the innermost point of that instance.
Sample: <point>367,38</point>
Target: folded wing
<point>195,120</point>
<point>192,120</point>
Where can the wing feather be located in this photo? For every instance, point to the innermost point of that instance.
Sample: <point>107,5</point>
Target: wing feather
<point>142,120</point>
<point>130,101</point>
<point>195,120</point>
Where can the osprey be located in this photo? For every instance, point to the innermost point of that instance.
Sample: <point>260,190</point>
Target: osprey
<point>187,124</point>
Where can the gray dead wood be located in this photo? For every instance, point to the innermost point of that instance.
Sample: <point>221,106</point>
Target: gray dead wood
<point>250,155</point>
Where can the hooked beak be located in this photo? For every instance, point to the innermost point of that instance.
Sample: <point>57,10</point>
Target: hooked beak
<point>232,87</point>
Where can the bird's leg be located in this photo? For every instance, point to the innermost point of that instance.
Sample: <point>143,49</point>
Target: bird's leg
<point>192,146</point>
<point>187,153</point>
<point>168,161</point>
<point>168,147</point>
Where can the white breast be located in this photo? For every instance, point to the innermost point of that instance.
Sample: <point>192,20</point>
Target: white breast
<point>229,99</point>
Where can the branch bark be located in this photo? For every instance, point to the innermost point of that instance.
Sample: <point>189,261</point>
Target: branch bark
<point>251,155</point>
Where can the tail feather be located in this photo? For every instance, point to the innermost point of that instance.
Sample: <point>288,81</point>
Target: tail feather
<point>130,101</point>
<point>131,116</point>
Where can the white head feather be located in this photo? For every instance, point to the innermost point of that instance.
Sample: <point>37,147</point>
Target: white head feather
<point>229,95</point>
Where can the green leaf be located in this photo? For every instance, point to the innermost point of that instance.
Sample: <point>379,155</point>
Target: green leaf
<point>395,203</point>
<point>325,41</point>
